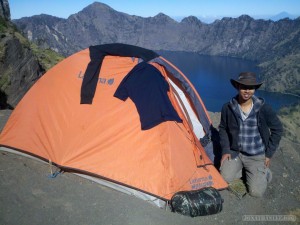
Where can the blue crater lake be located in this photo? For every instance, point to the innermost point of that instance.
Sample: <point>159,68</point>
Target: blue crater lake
<point>211,77</point>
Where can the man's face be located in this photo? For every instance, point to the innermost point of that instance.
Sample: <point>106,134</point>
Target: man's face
<point>246,92</point>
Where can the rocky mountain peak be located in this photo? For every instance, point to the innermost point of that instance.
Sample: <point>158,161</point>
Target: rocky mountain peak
<point>191,20</point>
<point>97,7</point>
<point>163,18</point>
<point>245,18</point>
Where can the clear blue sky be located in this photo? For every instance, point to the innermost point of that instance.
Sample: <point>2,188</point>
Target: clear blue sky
<point>147,8</point>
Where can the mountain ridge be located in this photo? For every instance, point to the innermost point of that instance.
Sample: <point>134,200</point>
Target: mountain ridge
<point>265,41</point>
<point>111,26</point>
<point>272,44</point>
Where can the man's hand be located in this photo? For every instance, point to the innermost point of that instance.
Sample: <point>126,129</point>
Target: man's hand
<point>267,162</point>
<point>225,157</point>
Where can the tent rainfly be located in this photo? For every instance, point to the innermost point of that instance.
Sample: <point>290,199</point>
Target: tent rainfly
<point>121,115</point>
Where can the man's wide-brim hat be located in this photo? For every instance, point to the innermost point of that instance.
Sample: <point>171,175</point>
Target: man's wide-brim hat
<point>246,79</point>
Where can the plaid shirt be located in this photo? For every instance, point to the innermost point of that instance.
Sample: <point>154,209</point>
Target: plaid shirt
<point>250,141</point>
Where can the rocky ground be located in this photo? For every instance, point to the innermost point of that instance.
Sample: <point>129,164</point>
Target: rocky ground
<point>29,196</point>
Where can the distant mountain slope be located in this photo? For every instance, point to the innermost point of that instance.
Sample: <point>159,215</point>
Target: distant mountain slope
<point>243,37</point>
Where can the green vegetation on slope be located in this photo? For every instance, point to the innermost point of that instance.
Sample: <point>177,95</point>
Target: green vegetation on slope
<point>15,51</point>
<point>282,72</point>
<point>46,57</point>
<point>290,117</point>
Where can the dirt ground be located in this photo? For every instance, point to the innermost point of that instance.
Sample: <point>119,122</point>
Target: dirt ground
<point>29,196</point>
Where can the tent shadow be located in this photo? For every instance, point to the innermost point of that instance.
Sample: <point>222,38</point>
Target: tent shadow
<point>215,138</point>
<point>3,101</point>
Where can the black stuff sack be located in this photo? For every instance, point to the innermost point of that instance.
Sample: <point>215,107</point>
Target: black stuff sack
<point>203,202</point>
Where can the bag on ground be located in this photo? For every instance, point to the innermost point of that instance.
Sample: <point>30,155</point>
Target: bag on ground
<point>206,201</point>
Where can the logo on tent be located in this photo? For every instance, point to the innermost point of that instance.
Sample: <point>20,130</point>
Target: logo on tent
<point>101,80</point>
<point>110,81</point>
<point>201,182</point>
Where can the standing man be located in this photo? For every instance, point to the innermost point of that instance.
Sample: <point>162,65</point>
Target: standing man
<point>250,132</point>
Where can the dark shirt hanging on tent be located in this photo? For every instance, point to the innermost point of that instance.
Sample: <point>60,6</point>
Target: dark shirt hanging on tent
<point>97,54</point>
<point>147,88</point>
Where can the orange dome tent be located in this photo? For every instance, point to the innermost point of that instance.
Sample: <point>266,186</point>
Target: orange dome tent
<point>91,114</point>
